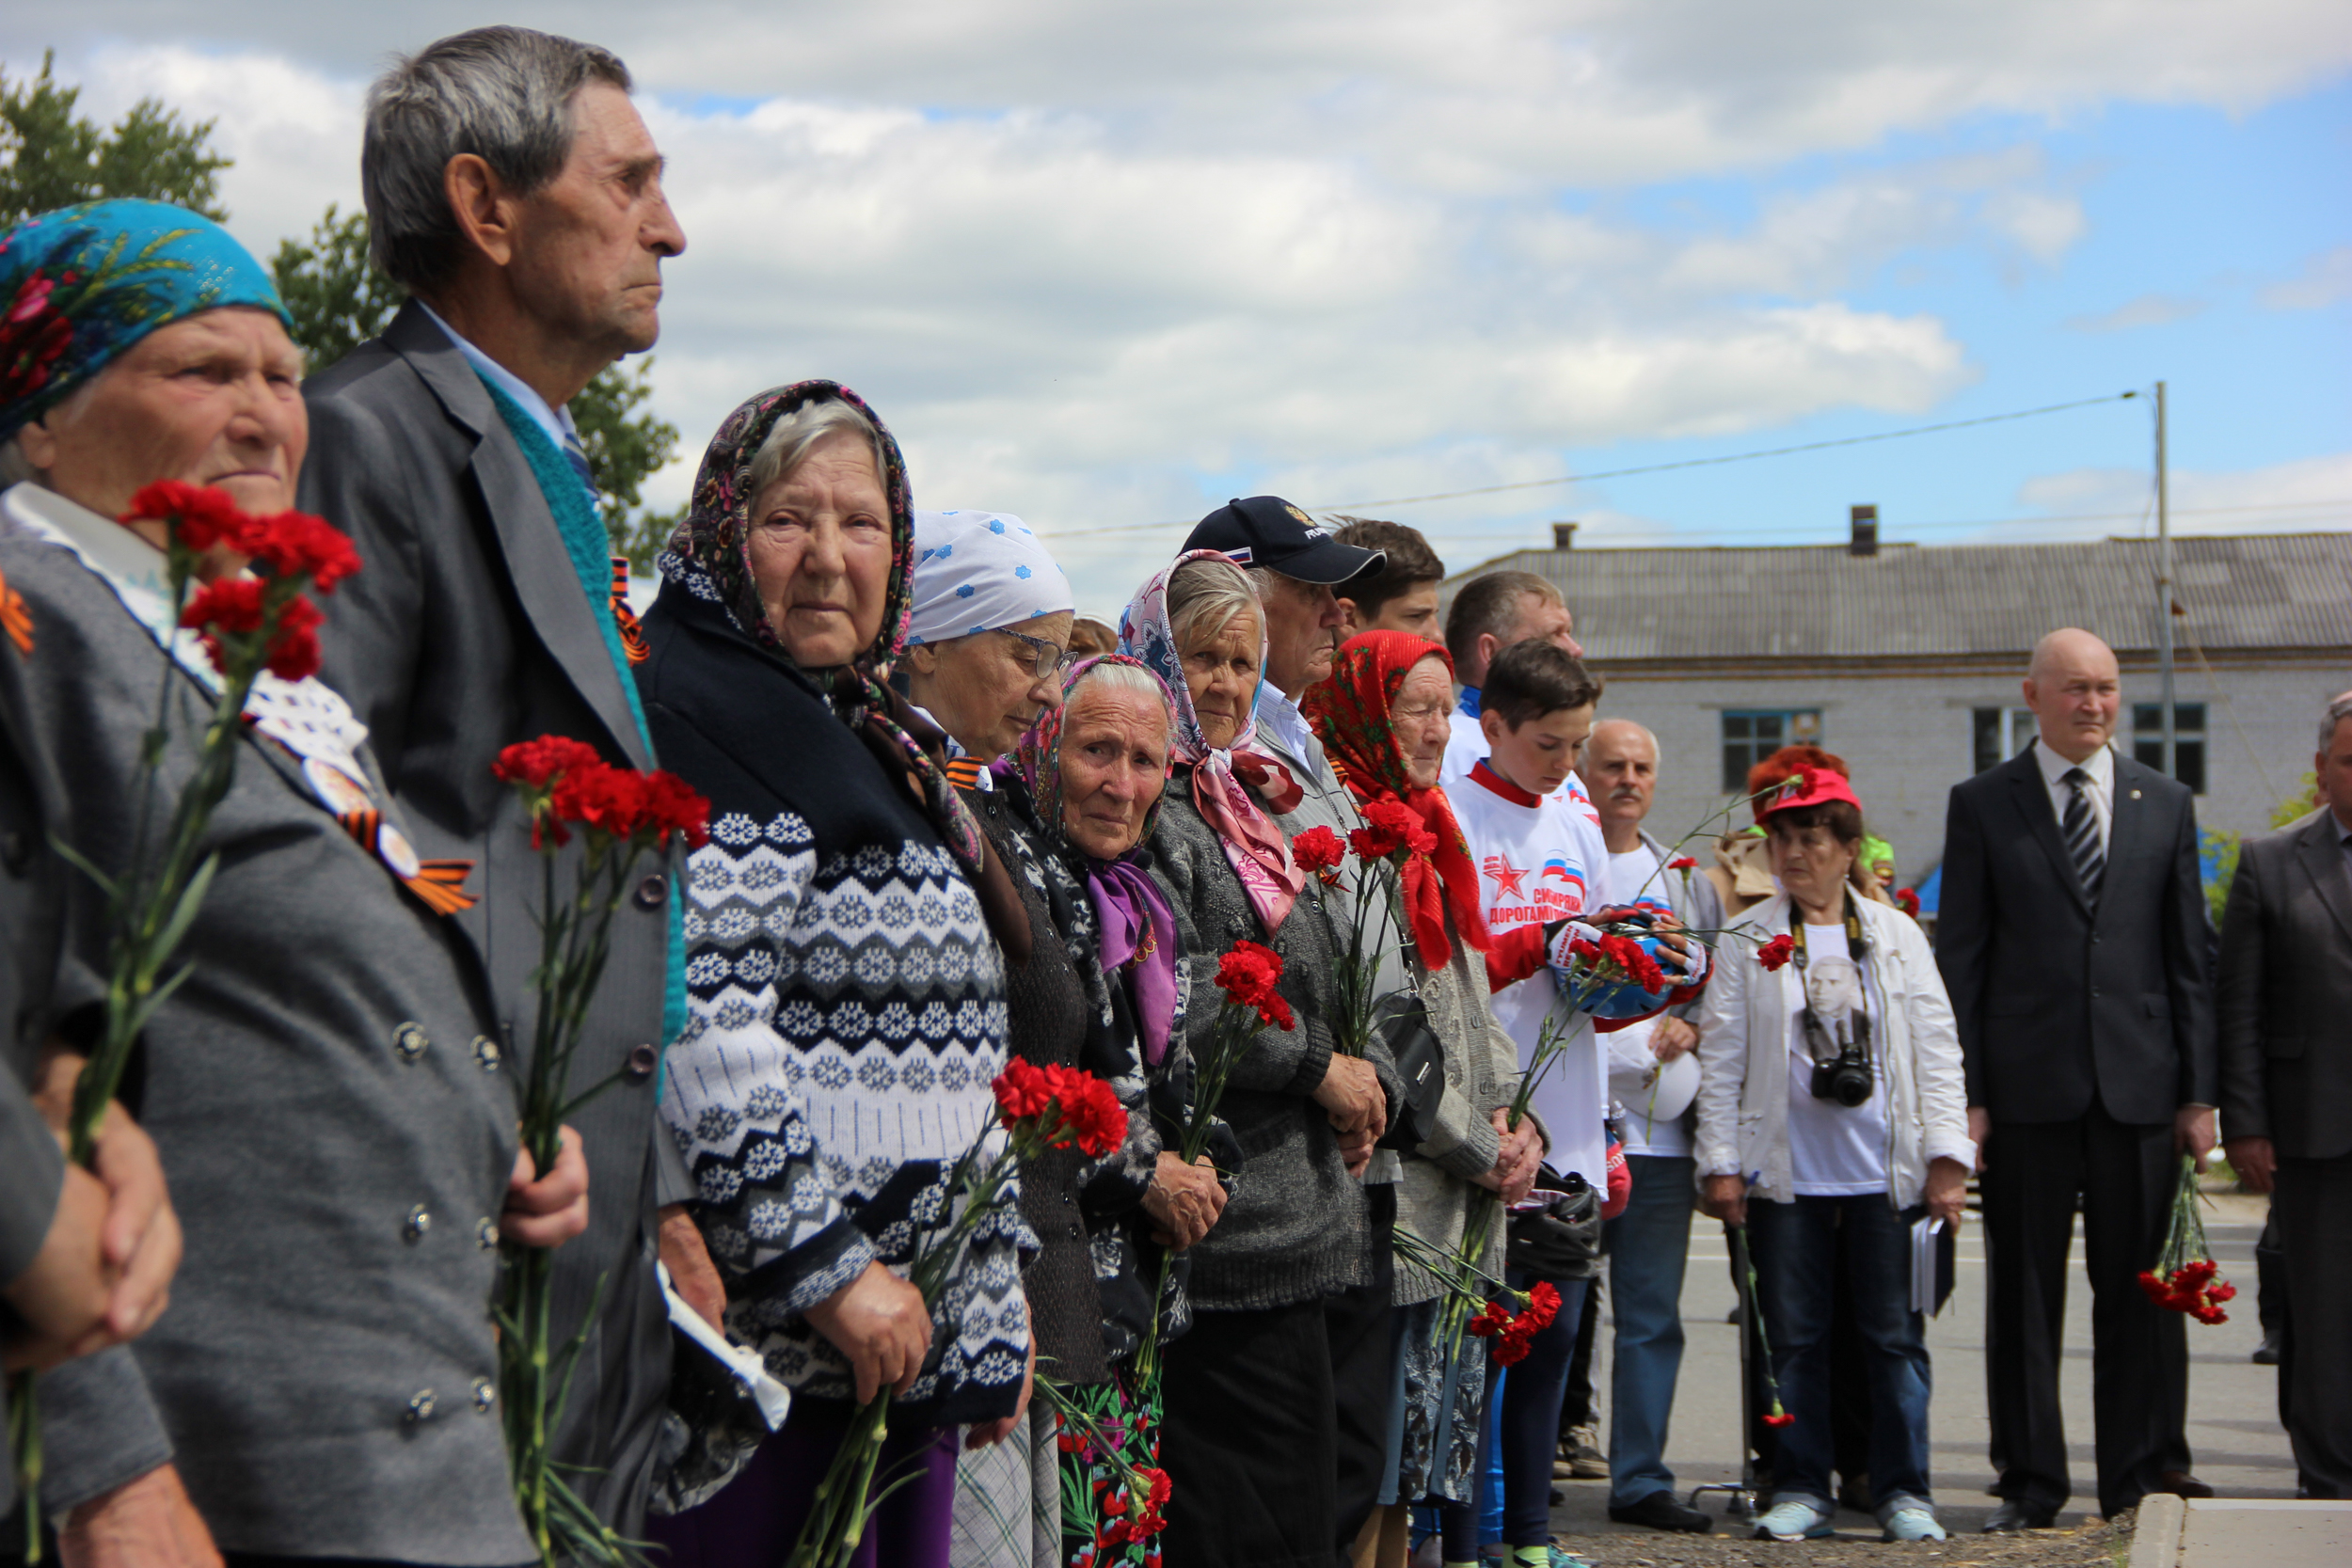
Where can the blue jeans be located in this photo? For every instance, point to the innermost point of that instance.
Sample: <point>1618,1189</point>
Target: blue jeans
<point>1795,1247</point>
<point>1647,1246</point>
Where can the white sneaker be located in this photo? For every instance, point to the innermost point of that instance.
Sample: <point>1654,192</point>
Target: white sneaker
<point>1793,1520</point>
<point>1912,1523</point>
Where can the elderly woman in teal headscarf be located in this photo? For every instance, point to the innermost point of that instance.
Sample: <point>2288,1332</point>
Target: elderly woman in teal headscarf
<point>342,1164</point>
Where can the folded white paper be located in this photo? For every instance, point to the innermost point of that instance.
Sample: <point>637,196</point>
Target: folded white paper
<point>772,1398</point>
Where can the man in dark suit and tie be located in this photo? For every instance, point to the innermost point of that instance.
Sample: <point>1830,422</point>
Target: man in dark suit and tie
<point>2285,998</point>
<point>513,190</point>
<point>2073,939</point>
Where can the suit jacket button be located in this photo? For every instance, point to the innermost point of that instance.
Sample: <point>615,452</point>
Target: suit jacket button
<point>485,1394</point>
<point>418,1222</point>
<point>654,891</point>
<point>642,1059</point>
<point>419,1409</point>
<point>486,1233</point>
<point>408,1042</point>
<point>485,1051</point>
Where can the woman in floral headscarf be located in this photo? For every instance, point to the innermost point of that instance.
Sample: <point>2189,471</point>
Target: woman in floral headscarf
<point>1383,719</point>
<point>1250,1434</point>
<point>1071,811</point>
<point>847,1000</point>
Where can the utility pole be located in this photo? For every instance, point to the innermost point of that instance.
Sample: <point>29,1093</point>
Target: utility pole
<point>2164,582</point>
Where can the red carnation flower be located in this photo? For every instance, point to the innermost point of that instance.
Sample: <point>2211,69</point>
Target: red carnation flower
<point>1247,976</point>
<point>1319,850</point>
<point>1637,965</point>
<point>200,516</point>
<point>1390,829</point>
<point>235,606</point>
<point>1022,1090</point>
<point>1492,1320</point>
<point>674,806</point>
<point>1780,1417</point>
<point>537,762</point>
<point>294,648</point>
<point>1681,862</point>
<point>295,544</point>
<point>1777,952</point>
<point>1543,1304</point>
<point>599,795</point>
<point>1090,1114</point>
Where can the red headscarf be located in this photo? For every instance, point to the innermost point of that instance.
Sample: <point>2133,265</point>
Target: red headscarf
<point>1350,715</point>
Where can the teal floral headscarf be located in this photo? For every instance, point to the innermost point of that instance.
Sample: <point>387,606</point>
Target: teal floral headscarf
<point>83,284</point>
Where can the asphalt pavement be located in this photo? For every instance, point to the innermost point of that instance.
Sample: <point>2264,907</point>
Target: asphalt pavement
<point>2233,1427</point>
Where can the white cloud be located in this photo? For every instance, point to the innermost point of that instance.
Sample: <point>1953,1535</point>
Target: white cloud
<point>1103,265</point>
<point>2326,278</point>
<point>2311,494</point>
<point>2147,311</point>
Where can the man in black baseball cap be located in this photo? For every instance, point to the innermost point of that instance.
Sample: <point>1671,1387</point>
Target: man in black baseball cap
<point>1295,564</point>
<point>1269,531</point>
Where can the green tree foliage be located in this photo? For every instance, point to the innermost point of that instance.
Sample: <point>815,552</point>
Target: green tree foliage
<point>52,157</point>
<point>2221,849</point>
<point>338,300</point>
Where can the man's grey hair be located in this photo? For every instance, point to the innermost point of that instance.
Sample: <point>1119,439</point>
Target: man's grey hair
<point>2338,709</point>
<point>792,437</point>
<point>1203,597</point>
<point>504,94</point>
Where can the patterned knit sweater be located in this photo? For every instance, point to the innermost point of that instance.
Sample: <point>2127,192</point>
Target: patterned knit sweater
<point>848,1016</point>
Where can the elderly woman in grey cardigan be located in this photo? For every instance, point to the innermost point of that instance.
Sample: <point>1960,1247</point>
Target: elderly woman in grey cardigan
<point>1249,1429</point>
<point>1383,720</point>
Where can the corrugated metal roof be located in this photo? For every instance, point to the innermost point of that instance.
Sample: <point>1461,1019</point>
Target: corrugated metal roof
<point>2291,590</point>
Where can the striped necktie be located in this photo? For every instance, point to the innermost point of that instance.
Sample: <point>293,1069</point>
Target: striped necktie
<point>577,455</point>
<point>2081,830</point>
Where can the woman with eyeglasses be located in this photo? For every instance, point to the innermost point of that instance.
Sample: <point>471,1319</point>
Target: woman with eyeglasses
<point>988,635</point>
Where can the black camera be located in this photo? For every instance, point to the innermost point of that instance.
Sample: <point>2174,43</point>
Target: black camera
<point>1844,1079</point>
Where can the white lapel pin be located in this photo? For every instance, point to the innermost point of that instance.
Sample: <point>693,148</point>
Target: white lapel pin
<point>2135,794</point>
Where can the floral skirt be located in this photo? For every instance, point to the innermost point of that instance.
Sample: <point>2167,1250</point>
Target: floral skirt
<point>1112,1488</point>
<point>1433,1415</point>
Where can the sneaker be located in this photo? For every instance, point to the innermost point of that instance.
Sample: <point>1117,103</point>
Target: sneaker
<point>1794,1520</point>
<point>1912,1523</point>
<point>1585,1459</point>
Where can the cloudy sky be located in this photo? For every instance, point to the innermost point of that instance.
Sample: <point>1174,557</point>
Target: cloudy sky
<point>1104,266</point>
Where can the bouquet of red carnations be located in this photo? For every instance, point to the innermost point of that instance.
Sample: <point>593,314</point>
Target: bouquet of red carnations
<point>621,814</point>
<point>2186,1279</point>
<point>1391,838</point>
<point>245,624</point>
<point>1040,1108</point>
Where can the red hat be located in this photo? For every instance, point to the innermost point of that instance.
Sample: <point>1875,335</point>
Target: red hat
<point>1807,786</point>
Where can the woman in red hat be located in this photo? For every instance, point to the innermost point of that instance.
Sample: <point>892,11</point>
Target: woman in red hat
<point>1832,1107</point>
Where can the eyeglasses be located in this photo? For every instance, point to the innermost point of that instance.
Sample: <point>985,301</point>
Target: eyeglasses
<point>1045,659</point>
<point>1408,717</point>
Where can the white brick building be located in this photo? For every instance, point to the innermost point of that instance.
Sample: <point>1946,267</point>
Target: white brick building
<point>1906,662</point>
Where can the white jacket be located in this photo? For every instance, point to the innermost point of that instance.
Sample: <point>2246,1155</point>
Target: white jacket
<point>1743,1056</point>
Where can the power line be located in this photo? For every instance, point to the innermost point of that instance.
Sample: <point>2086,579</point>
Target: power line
<point>1645,468</point>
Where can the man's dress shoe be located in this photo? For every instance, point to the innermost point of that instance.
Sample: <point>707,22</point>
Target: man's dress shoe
<point>2017,1514</point>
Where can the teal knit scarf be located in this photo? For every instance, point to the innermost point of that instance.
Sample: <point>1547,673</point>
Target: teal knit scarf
<point>589,545</point>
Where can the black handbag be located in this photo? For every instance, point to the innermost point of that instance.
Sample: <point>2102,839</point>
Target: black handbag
<point>1401,1022</point>
<point>1558,1238</point>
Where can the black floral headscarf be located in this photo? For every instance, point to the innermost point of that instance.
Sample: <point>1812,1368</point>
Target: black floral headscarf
<point>709,556</point>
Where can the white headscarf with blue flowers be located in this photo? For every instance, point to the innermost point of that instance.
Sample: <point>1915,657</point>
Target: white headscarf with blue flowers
<point>981,571</point>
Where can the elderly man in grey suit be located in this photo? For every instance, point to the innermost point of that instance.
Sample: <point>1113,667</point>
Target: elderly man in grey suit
<point>2074,940</point>
<point>513,190</point>
<point>2286,1090</point>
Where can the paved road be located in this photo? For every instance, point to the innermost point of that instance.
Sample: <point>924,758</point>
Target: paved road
<point>2233,1427</point>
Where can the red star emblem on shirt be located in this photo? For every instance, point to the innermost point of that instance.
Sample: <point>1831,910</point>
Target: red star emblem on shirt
<point>1507,876</point>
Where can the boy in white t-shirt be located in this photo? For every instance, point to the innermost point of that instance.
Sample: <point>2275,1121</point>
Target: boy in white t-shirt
<point>1540,863</point>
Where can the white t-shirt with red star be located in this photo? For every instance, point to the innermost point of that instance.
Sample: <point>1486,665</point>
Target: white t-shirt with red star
<point>1541,860</point>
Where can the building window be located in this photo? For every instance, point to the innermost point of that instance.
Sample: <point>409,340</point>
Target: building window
<point>1751,734</point>
<point>2189,741</point>
<point>2001,733</point>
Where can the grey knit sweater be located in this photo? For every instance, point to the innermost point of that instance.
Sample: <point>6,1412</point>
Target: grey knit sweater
<point>1295,1228</point>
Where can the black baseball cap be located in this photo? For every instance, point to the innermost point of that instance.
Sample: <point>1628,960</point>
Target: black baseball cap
<point>1269,531</point>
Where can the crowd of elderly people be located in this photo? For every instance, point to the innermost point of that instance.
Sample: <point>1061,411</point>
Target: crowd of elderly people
<point>941,835</point>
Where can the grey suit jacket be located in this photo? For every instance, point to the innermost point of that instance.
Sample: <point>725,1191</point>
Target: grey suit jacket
<point>466,631</point>
<point>2285,1001</point>
<point>2057,1004</point>
<point>337,1145</point>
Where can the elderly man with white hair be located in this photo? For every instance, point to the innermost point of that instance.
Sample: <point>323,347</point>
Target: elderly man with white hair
<point>1654,1074</point>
